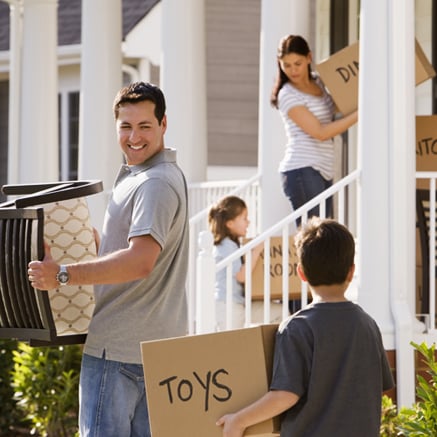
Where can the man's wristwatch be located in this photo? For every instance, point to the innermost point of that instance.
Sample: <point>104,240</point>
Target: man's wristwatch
<point>63,277</point>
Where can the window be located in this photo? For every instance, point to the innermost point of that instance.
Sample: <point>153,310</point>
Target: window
<point>339,26</point>
<point>68,135</point>
<point>339,38</point>
<point>4,105</point>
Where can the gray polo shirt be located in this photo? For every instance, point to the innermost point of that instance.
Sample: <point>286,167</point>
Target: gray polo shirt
<point>147,199</point>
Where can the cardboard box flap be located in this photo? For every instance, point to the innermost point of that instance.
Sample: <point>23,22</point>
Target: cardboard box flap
<point>194,380</point>
<point>424,70</point>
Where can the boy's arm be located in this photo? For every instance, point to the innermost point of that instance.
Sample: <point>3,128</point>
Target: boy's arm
<point>270,405</point>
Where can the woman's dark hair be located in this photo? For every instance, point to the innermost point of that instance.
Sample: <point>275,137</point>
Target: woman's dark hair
<point>226,209</point>
<point>288,44</point>
<point>138,92</point>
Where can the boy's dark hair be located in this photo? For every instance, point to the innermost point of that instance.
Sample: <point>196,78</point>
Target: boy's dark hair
<point>325,250</point>
<point>226,209</point>
<point>138,92</point>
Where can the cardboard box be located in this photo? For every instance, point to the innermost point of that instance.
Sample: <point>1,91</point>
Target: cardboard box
<point>340,74</point>
<point>192,381</point>
<point>426,146</point>
<point>276,268</point>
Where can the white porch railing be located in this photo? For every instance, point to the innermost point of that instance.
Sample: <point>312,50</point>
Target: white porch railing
<point>202,279</point>
<point>206,272</point>
<point>200,197</point>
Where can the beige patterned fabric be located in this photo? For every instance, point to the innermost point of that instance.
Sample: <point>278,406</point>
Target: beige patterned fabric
<point>69,233</point>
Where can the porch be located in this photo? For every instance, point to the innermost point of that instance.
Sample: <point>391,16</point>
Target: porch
<point>412,319</point>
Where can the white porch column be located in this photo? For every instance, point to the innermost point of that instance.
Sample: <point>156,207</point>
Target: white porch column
<point>38,146</point>
<point>101,78</point>
<point>386,152</point>
<point>183,81</point>
<point>15,37</point>
<point>278,18</point>
<point>402,191</point>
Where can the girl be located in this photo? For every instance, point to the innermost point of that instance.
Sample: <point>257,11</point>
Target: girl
<point>228,222</point>
<point>307,111</point>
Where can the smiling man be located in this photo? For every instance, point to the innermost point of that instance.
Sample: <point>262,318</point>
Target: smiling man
<point>140,271</point>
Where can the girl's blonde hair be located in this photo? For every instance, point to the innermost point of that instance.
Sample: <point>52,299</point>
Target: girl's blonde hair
<point>226,209</point>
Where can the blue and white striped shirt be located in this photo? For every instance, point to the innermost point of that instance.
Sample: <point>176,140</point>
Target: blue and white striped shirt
<point>302,150</point>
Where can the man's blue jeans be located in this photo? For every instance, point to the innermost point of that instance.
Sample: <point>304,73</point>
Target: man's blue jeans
<point>112,399</point>
<point>302,185</point>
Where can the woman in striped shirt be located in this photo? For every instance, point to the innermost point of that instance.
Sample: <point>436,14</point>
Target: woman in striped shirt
<point>307,111</point>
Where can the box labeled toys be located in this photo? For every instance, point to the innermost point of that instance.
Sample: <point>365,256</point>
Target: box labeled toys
<point>192,381</point>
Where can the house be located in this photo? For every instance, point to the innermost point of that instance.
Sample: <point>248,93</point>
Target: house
<point>212,55</point>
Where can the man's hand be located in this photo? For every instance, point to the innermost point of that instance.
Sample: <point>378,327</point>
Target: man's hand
<point>231,427</point>
<point>42,274</point>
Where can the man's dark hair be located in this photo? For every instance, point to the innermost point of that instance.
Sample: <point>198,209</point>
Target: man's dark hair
<point>138,92</point>
<point>326,250</point>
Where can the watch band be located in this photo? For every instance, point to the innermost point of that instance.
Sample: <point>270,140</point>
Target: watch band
<point>63,277</point>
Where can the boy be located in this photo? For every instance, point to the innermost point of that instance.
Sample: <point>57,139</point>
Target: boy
<point>330,367</point>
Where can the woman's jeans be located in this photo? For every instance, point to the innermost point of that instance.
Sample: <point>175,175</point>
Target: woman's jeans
<point>302,185</point>
<point>112,399</point>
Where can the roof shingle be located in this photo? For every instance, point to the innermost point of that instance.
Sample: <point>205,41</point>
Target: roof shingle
<point>69,20</point>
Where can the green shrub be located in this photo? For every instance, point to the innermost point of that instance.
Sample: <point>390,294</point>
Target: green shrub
<point>421,419</point>
<point>11,418</point>
<point>390,418</point>
<point>46,382</point>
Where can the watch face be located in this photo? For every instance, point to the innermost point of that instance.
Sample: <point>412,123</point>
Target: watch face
<point>63,277</point>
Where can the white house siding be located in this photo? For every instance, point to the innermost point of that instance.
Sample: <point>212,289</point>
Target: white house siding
<point>232,34</point>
